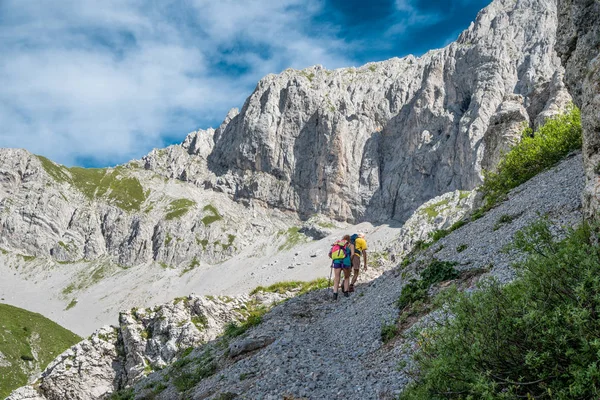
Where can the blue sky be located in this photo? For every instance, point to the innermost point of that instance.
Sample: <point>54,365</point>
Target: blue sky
<point>97,83</point>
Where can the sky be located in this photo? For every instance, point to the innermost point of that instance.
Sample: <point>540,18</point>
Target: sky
<point>97,83</point>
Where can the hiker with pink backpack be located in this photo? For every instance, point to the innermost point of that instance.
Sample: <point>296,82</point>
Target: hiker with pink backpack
<point>341,256</point>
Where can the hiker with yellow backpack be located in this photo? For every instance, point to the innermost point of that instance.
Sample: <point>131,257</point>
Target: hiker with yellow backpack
<point>358,248</point>
<point>340,255</point>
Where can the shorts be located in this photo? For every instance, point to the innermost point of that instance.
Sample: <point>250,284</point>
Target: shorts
<point>339,265</point>
<point>356,262</point>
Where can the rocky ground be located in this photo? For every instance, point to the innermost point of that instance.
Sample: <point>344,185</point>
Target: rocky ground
<point>313,347</point>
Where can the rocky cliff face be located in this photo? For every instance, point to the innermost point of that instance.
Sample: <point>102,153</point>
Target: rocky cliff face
<point>377,141</point>
<point>127,213</point>
<point>579,47</point>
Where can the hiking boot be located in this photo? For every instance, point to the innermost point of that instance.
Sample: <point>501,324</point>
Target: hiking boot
<point>351,288</point>
<point>335,296</point>
<point>346,294</point>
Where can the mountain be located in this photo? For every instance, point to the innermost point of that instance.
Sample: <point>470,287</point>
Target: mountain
<point>309,150</point>
<point>307,346</point>
<point>259,199</point>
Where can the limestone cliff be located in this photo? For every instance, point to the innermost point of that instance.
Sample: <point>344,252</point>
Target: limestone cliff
<point>377,141</point>
<point>578,44</point>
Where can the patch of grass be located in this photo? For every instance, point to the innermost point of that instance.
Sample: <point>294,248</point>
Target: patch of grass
<point>202,242</point>
<point>461,248</point>
<point>388,332</point>
<point>253,312</point>
<point>27,258</point>
<point>123,394</point>
<point>536,152</point>
<point>168,239</point>
<point>72,304</point>
<point>416,290</point>
<point>293,238</point>
<point>536,337</point>
<point>200,322</point>
<point>309,76</point>
<point>213,215</point>
<point>433,210</point>
<point>58,172</point>
<point>372,68</point>
<point>18,335</point>
<point>124,192</point>
<point>504,219</point>
<point>178,208</point>
<point>195,263</point>
<point>3,251</point>
<point>206,367</point>
<point>288,286</point>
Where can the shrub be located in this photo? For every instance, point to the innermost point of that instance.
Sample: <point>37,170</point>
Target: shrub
<point>535,153</point>
<point>388,332</point>
<point>416,290</point>
<point>534,338</point>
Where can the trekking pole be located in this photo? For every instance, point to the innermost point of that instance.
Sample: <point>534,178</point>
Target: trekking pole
<point>330,271</point>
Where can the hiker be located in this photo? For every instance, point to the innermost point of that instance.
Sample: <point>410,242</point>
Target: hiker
<point>340,254</point>
<point>358,247</point>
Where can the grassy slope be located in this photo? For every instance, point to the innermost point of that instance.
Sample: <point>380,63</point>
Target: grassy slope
<point>25,335</point>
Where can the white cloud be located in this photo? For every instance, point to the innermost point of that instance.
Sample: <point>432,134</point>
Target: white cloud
<point>408,16</point>
<point>109,80</point>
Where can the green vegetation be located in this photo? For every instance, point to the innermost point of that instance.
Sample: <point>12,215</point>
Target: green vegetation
<point>433,210</point>
<point>504,219</point>
<point>195,263</point>
<point>438,234</point>
<point>123,394</point>
<point>202,242</point>
<point>200,321</point>
<point>535,153</point>
<point>178,208</point>
<point>213,216</point>
<point>534,338</point>
<point>27,258</point>
<point>19,336</point>
<point>293,238</point>
<point>72,304</point>
<point>125,192</point>
<point>308,76</point>
<point>89,277</point>
<point>204,366</point>
<point>288,286</point>
<point>388,332</point>
<point>461,248</point>
<point>253,312</point>
<point>416,290</point>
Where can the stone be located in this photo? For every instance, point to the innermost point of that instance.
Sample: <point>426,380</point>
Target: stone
<point>247,345</point>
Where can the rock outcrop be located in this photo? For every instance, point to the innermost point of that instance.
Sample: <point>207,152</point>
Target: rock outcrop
<point>376,142</point>
<point>578,44</point>
<point>146,340</point>
<point>126,213</point>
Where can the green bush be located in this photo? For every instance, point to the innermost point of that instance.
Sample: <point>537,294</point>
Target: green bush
<point>416,290</point>
<point>388,332</point>
<point>538,337</point>
<point>535,153</point>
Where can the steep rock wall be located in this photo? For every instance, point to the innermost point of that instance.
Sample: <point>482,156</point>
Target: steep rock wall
<point>377,141</point>
<point>578,44</point>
